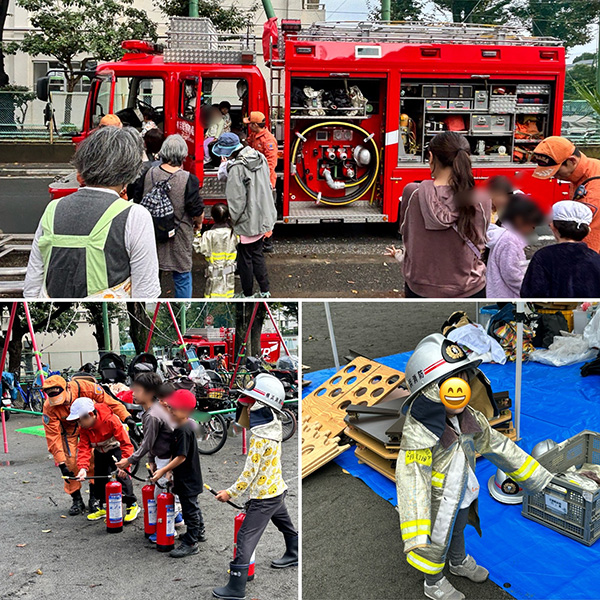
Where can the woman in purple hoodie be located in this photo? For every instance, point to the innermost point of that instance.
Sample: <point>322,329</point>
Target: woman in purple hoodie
<point>443,224</point>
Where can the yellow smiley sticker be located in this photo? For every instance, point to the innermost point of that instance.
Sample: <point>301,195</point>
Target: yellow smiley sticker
<point>455,393</point>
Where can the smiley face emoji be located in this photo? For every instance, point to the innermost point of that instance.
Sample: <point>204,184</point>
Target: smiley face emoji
<point>455,393</point>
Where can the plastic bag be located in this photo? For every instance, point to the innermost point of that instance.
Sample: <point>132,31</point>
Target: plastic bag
<point>474,337</point>
<point>564,351</point>
<point>591,333</point>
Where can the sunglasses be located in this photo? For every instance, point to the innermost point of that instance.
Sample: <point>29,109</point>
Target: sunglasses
<point>543,161</point>
<point>53,392</point>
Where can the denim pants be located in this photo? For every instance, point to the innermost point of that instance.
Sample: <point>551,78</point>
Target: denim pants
<point>183,284</point>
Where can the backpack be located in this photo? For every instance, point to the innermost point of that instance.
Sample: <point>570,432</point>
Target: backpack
<point>159,205</point>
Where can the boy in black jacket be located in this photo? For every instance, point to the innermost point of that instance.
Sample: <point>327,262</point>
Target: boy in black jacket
<point>187,477</point>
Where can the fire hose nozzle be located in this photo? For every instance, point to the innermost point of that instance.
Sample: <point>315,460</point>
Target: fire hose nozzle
<point>343,154</point>
<point>299,135</point>
<point>334,185</point>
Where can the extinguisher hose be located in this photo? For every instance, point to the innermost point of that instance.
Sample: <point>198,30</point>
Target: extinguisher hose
<point>363,185</point>
<point>228,501</point>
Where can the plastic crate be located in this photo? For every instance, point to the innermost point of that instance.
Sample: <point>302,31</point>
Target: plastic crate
<point>562,505</point>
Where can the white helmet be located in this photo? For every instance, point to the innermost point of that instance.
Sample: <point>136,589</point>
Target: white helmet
<point>266,389</point>
<point>543,447</point>
<point>502,488</point>
<point>434,358</point>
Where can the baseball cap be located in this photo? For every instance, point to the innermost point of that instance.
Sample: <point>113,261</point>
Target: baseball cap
<point>255,117</point>
<point>550,154</point>
<point>570,210</point>
<point>226,145</point>
<point>55,387</point>
<point>110,121</point>
<point>80,408</point>
<point>182,400</point>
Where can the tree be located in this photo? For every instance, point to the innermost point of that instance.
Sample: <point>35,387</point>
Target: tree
<point>46,317</point>
<point>579,74</point>
<point>95,318</point>
<point>230,19</point>
<point>3,14</point>
<point>139,324</point>
<point>400,10</point>
<point>92,29</point>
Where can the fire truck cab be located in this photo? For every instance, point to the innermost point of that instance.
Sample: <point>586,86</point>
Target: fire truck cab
<point>353,105</point>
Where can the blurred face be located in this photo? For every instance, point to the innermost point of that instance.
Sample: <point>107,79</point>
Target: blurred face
<point>142,396</point>
<point>499,200</point>
<point>567,168</point>
<point>523,227</point>
<point>87,421</point>
<point>179,416</point>
<point>224,110</point>
<point>254,128</point>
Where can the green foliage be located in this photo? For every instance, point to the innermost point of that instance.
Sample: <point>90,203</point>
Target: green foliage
<point>590,94</point>
<point>577,76</point>
<point>585,56</point>
<point>401,10</point>
<point>231,18</point>
<point>92,28</point>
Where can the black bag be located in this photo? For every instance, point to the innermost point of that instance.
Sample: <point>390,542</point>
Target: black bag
<point>549,326</point>
<point>159,205</point>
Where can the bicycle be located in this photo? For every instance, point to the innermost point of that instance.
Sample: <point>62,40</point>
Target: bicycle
<point>31,397</point>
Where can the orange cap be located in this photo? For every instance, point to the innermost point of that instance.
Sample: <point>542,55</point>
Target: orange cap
<point>255,117</point>
<point>56,381</point>
<point>110,121</point>
<point>557,149</point>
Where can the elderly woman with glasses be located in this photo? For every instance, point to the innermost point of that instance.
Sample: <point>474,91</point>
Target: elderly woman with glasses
<point>175,255</point>
<point>93,243</point>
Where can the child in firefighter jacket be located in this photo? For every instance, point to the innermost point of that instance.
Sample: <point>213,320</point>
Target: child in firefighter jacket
<point>219,247</point>
<point>262,480</point>
<point>435,472</point>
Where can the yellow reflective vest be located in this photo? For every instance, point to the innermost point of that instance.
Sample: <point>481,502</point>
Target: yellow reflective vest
<point>431,477</point>
<point>219,247</point>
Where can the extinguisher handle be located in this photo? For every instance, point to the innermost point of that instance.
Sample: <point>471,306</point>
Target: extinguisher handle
<point>228,501</point>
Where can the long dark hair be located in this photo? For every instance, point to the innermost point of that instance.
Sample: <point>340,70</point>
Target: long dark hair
<point>450,149</point>
<point>220,214</point>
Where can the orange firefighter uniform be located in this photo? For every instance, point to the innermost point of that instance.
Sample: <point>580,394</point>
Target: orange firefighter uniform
<point>265,143</point>
<point>62,435</point>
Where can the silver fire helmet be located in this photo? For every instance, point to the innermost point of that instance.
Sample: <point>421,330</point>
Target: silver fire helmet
<point>362,156</point>
<point>542,447</point>
<point>504,489</point>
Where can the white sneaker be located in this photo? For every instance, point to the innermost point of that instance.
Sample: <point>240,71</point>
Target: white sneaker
<point>470,569</point>
<point>442,590</point>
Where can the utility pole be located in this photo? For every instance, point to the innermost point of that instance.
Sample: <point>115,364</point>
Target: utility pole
<point>598,61</point>
<point>183,318</point>
<point>386,10</point>
<point>193,8</point>
<point>106,327</point>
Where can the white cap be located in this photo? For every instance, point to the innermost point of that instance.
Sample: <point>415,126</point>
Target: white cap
<point>570,210</point>
<point>80,408</point>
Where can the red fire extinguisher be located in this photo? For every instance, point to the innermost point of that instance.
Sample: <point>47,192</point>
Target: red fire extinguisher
<point>165,521</point>
<point>149,503</point>
<point>114,507</point>
<point>239,519</point>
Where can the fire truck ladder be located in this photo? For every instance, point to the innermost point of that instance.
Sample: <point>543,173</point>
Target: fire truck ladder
<point>409,33</point>
<point>276,89</point>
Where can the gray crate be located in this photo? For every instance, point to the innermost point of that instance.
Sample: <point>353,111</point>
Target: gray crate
<point>562,505</point>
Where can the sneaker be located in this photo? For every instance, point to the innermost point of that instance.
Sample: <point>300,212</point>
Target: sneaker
<point>179,519</point>
<point>98,514</point>
<point>184,550</point>
<point>202,534</point>
<point>470,569</point>
<point>152,538</point>
<point>442,590</point>
<point>262,295</point>
<point>132,512</point>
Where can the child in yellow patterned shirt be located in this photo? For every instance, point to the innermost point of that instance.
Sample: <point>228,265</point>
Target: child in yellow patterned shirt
<point>262,479</point>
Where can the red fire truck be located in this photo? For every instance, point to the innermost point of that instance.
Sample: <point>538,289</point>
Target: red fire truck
<point>353,105</point>
<point>210,342</point>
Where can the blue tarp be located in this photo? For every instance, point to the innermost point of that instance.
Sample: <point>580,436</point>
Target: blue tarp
<point>525,558</point>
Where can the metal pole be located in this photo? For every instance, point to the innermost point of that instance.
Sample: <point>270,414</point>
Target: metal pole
<point>386,10</point>
<point>269,11</point>
<point>106,328</point>
<point>193,8</point>
<point>598,61</point>
<point>336,359</point>
<point>242,351</point>
<point>151,331</point>
<point>11,320</point>
<point>4,436</point>
<point>177,330</point>
<point>183,318</point>
<point>276,328</point>
<point>36,353</point>
<point>519,367</point>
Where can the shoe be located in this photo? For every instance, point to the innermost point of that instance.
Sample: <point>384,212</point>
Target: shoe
<point>179,519</point>
<point>470,569</point>
<point>268,246</point>
<point>290,558</point>
<point>78,506</point>
<point>152,538</point>
<point>98,514</point>
<point>262,295</point>
<point>202,534</point>
<point>132,512</point>
<point>184,550</point>
<point>443,590</point>
<point>236,588</point>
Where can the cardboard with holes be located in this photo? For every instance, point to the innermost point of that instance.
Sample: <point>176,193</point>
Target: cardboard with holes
<point>318,446</point>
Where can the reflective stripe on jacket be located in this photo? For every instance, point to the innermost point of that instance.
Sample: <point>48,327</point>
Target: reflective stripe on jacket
<point>219,247</point>
<point>431,477</point>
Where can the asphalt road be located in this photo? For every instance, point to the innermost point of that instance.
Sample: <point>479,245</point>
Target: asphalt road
<point>310,261</point>
<point>351,538</point>
<point>43,555</point>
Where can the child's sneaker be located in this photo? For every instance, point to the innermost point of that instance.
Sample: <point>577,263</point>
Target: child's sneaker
<point>152,538</point>
<point>470,569</point>
<point>98,514</point>
<point>132,512</point>
<point>179,520</point>
<point>442,590</point>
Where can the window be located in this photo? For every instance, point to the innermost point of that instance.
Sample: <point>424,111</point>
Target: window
<point>188,94</point>
<point>58,81</point>
<point>233,91</point>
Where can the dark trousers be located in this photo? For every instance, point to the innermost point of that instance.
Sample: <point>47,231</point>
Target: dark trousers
<point>251,264</point>
<point>456,551</point>
<point>408,293</point>
<point>105,465</point>
<point>192,515</point>
<point>258,515</point>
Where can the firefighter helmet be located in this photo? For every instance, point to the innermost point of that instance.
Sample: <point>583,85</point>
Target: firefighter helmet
<point>267,390</point>
<point>504,489</point>
<point>543,447</point>
<point>434,358</point>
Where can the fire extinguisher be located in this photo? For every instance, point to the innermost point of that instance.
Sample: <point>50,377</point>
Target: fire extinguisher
<point>149,503</point>
<point>165,521</point>
<point>239,519</point>
<point>114,506</point>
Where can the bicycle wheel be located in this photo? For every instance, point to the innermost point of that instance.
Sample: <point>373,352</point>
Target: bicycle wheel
<point>212,435</point>
<point>289,424</point>
<point>36,400</point>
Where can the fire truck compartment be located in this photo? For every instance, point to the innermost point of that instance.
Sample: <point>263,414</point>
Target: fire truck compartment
<point>357,212</point>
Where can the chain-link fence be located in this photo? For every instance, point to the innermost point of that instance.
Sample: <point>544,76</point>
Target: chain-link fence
<point>581,123</point>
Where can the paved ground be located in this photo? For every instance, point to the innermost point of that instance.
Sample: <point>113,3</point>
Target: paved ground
<point>76,559</point>
<point>351,542</point>
<point>310,261</point>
